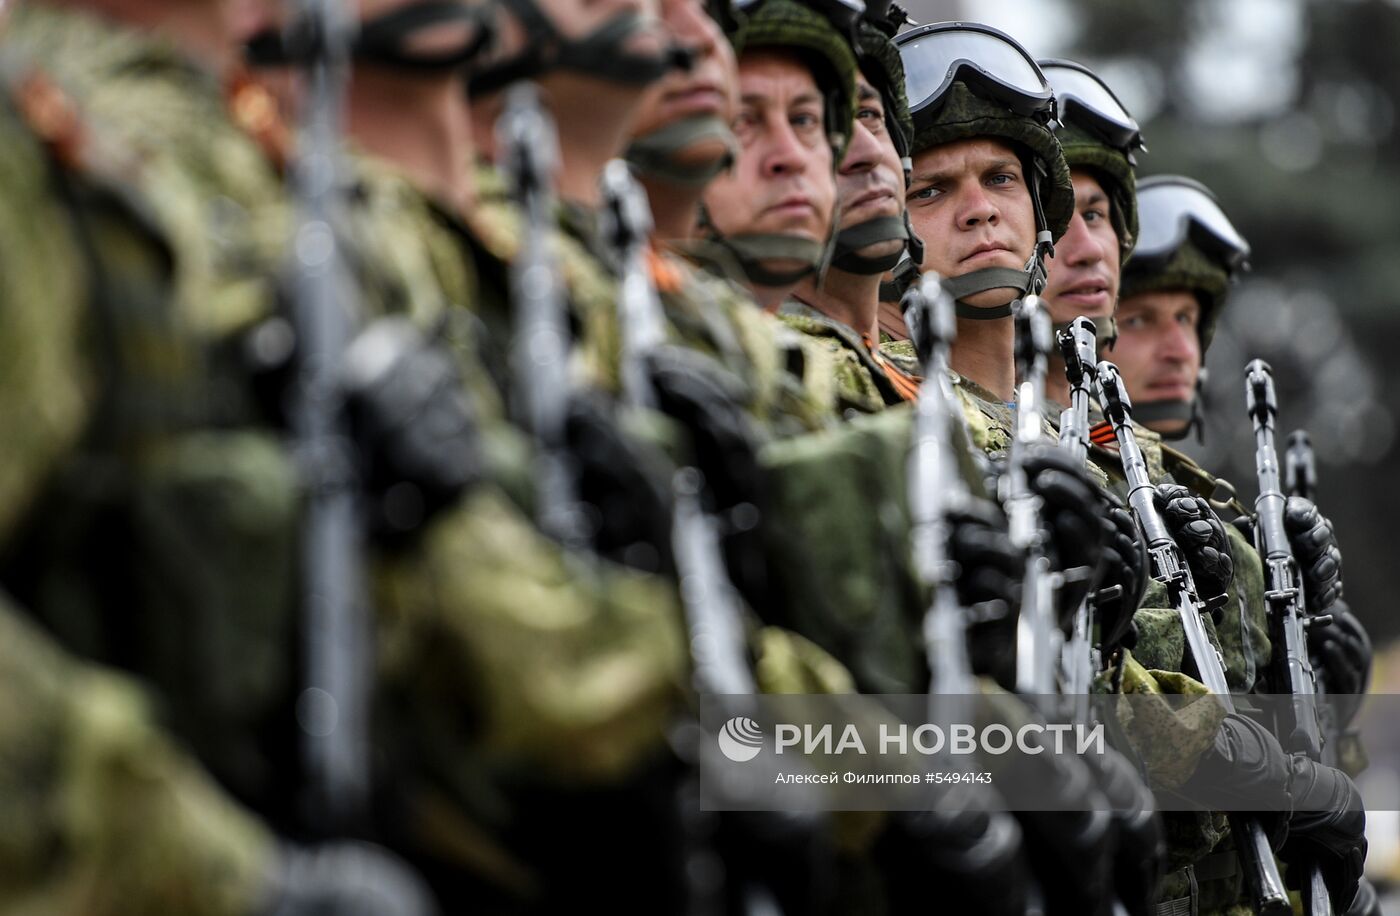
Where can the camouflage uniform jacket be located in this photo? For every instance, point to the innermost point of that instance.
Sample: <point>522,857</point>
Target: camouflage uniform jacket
<point>868,380</point>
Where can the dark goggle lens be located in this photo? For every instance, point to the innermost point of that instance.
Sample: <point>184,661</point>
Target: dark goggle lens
<point>933,60</point>
<point>1169,210</point>
<point>1084,101</point>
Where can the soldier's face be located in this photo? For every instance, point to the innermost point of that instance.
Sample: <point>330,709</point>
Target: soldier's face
<point>782,182</point>
<point>1159,350</point>
<point>709,87</point>
<point>871,180</point>
<point>1084,273</point>
<point>969,202</point>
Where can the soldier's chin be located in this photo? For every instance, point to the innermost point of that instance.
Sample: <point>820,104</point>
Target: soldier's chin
<point>1169,427</point>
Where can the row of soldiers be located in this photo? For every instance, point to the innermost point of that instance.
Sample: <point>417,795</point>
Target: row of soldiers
<point>309,311</point>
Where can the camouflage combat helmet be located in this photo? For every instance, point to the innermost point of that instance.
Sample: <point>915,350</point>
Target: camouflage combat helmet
<point>1187,243</point>
<point>968,80</point>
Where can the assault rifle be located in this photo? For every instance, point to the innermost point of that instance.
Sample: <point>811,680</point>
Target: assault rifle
<point>333,705</point>
<point>710,599</point>
<point>1290,669</point>
<point>1079,659</point>
<point>1038,636</point>
<point>1169,568</point>
<point>540,349</point>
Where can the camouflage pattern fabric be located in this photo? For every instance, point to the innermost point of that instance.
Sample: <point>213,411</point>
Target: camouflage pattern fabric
<point>105,815</point>
<point>863,381</point>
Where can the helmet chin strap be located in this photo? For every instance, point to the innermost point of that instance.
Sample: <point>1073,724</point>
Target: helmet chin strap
<point>600,53</point>
<point>1191,411</point>
<point>655,154</point>
<point>852,240</point>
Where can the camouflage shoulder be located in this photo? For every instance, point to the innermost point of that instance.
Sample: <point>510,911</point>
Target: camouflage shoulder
<point>989,421</point>
<point>46,385</point>
<point>143,829</point>
<point>903,355</point>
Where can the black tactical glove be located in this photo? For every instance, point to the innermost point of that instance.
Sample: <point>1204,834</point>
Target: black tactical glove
<point>1200,534</point>
<point>1342,652</point>
<point>1315,548</point>
<point>1124,565</point>
<point>1070,849</point>
<point>1141,852</point>
<point>1071,507</point>
<point>708,400</point>
<point>414,424</point>
<point>346,879</point>
<point>789,854</point>
<point>1328,826</point>
<point>989,571</point>
<point>1367,902</point>
<point>1245,769</point>
<point>622,484</point>
<point>969,853</point>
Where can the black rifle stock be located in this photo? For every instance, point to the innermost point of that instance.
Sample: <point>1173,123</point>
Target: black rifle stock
<point>1290,668</point>
<point>1169,568</point>
<point>333,705</point>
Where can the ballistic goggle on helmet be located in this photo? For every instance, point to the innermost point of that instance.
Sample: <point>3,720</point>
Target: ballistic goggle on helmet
<point>1185,242</point>
<point>1097,133</point>
<point>967,80</point>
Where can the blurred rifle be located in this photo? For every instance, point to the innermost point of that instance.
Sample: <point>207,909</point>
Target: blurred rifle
<point>540,349</point>
<point>333,706</point>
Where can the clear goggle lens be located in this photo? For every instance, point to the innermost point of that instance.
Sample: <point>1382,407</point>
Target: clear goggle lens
<point>1170,208</point>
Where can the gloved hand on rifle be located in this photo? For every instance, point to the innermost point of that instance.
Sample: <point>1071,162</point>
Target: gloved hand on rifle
<point>1200,534</point>
<point>1124,564</point>
<point>345,878</point>
<point>1071,508</point>
<point>1315,548</point>
<point>1343,653</point>
<point>416,431</point>
<point>623,484</point>
<point>968,850</point>
<point>709,402</point>
<point>989,574</point>
<point>1328,826</point>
